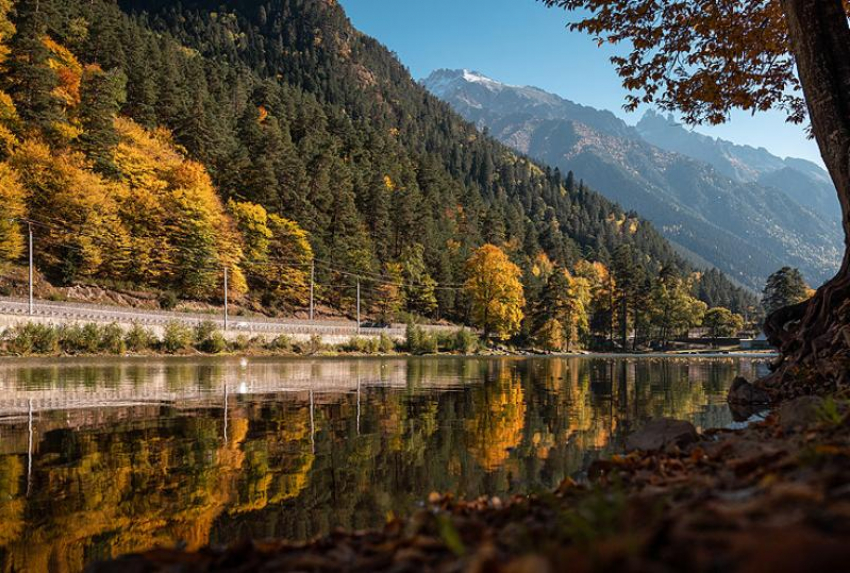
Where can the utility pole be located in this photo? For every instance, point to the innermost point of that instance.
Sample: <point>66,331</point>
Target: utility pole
<point>312,286</point>
<point>358,306</point>
<point>226,318</point>
<point>32,305</point>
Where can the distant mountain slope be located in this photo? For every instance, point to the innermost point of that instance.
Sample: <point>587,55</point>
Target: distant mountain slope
<point>804,181</point>
<point>744,227</point>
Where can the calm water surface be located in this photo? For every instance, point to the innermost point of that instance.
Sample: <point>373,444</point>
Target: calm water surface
<point>104,457</point>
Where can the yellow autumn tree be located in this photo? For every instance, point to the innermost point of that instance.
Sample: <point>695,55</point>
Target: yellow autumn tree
<point>182,237</point>
<point>13,199</point>
<point>8,114</point>
<point>69,73</point>
<point>495,290</point>
<point>276,252</point>
<point>602,301</point>
<point>80,233</point>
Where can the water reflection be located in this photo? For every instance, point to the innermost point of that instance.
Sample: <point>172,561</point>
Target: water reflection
<point>124,455</point>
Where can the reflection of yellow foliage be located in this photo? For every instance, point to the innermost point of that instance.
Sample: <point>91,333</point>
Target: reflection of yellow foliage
<point>497,425</point>
<point>11,500</point>
<point>279,470</point>
<point>543,444</point>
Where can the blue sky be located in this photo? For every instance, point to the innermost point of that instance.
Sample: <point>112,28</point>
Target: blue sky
<point>522,42</point>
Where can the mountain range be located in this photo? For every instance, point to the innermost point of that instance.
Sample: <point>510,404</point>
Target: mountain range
<point>738,208</point>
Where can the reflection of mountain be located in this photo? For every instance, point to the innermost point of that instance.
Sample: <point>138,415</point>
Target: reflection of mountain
<point>115,480</point>
<point>738,208</point>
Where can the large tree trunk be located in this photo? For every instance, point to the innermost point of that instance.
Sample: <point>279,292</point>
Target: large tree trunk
<point>814,336</point>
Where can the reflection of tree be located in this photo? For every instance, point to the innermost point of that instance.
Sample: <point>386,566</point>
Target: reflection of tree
<point>498,422</point>
<point>276,470</point>
<point>11,501</point>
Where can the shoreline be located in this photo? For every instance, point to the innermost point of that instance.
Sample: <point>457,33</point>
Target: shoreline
<point>331,354</point>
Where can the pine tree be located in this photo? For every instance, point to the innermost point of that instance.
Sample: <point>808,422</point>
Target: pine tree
<point>785,287</point>
<point>102,94</point>
<point>29,80</point>
<point>419,290</point>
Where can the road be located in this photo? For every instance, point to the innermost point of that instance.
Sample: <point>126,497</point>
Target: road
<point>74,311</point>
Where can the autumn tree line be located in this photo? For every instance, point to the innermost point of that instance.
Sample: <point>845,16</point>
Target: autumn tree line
<point>157,149</point>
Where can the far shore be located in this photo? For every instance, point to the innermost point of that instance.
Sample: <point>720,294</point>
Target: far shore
<point>253,353</point>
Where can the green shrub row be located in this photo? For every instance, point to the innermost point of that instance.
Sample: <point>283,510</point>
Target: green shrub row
<point>44,339</point>
<point>420,341</point>
<point>381,345</point>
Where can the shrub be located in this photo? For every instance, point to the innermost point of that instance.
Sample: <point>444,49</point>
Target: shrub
<point>241,342</point>
<point>33,338</point>
<point>208,338</point>
<point>177,337</point>
<point>282,343</point>
<point>167,301</point>
<point>412,337</point>
<point>312,346</point>
<point>112,339</point>
<point>465,341</point>
<point>421,342</point>
<point>80,339</point>
<point>138,338</point>
<point>216,343</point>
<point>204,330</point>
<point>386,344</point>
<point>356,344</point>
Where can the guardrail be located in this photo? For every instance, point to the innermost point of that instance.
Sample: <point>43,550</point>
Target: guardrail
<point>105,313</point>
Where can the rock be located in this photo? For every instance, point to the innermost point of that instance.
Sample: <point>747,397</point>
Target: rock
<point>661,433</point>
<point>745,412</point>
<point>799,413</point>
<point>742,392</point>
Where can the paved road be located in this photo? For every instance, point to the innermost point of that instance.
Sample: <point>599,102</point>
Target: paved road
<point>62,311</point>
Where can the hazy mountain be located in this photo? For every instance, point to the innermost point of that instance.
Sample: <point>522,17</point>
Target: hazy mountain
<point>804,181</point>
<point>745,218</point>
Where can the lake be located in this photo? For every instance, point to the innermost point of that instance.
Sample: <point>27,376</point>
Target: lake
<point>100,457</point>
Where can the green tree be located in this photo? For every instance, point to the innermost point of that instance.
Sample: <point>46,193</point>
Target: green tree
<point>674,309</point>
<point>101,96</point>
<point>560,318</point>
<point>627,278</point>
<point>784,288</point>
<point>419,287</point>
<point>29,79</point>
<point>721,322</point>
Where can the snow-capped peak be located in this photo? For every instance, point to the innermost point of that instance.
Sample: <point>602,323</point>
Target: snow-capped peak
<point>441,82</point>
<point>479,78</point>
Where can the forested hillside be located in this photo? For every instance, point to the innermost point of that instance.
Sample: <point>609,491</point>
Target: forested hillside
<point>160,144</point>
<point>738,208</point>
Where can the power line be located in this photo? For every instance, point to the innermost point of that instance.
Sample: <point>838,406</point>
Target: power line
<point>298,263</point>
